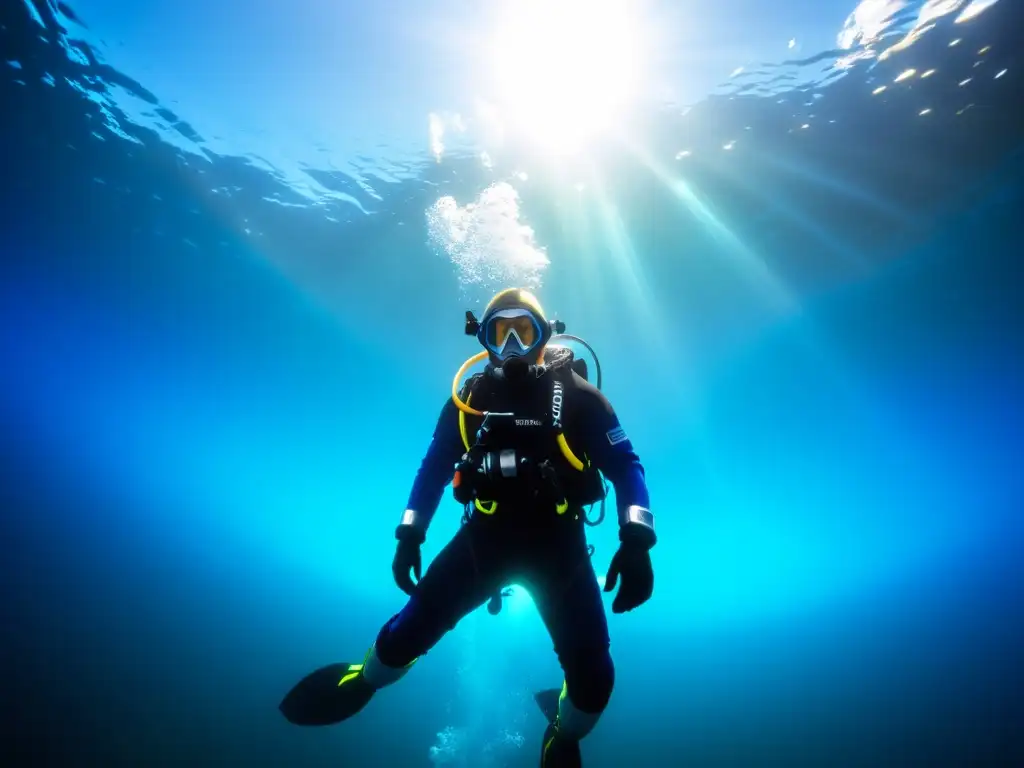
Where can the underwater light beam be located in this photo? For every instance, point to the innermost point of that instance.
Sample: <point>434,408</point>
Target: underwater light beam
<point>625,260</point>
<point>850,191</point>
<point>792,213</point>
<point>778,295</point>
<point>752,266</point>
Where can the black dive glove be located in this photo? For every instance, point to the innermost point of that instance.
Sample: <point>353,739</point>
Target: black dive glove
<point>632,561</point>
<point>407,558</point>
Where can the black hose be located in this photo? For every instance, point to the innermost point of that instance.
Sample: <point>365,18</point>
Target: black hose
<point>590,349</point>
<point>600,515</point>
<point>597,366</point>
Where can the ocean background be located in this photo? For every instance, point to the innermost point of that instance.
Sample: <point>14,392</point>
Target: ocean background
<point>238,241</point>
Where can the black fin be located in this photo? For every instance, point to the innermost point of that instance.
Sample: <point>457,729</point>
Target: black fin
<point>559,752</point>
<point>320,699</point>
<point>548,703</point>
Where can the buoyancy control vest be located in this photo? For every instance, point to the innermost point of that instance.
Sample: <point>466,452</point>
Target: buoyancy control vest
<point>513,457</point>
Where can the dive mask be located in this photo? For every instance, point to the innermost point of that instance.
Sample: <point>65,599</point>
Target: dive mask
<point>509,333</point>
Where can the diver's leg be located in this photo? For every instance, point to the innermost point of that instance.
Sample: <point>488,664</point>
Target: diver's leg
<point>463,576</point>
<point>568,597</point>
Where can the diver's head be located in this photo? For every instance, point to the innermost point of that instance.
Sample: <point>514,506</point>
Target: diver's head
<point>514,331</point>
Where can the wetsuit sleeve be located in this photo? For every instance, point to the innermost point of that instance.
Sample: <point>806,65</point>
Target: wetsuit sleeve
<point>434,474</point>
<point>611,451</point>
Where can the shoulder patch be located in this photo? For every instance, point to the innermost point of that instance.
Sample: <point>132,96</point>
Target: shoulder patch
<point>616,436</point>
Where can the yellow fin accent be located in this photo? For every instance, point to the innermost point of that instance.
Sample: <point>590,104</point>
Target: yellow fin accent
<point>547,746</point>
<point>347,678</point>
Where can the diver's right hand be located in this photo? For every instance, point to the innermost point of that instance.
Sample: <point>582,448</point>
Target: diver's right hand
<point>407,558</point>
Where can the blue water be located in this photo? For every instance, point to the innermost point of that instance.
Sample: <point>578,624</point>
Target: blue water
<point>237,245</point>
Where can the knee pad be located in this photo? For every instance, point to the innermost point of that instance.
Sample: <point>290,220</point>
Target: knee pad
<point>396,643</point>
<point>589,679</point>
<point>410,633</point>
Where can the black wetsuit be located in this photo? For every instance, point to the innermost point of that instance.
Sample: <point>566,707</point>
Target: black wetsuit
<point>535,547</point>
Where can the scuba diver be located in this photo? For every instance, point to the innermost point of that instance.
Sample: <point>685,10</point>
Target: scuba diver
<point>543,436</point>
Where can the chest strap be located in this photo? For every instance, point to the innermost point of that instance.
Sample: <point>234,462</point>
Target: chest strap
<point>465,409</point>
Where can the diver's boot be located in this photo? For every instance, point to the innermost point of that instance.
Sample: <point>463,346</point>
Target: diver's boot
<point>566,726</point>
<point>338,691</point>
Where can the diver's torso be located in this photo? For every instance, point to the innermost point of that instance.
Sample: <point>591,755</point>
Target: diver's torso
<point>527,418</point>
<point>534,414</point>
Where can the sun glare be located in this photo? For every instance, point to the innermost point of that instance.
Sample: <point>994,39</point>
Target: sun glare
<point>564,71</point>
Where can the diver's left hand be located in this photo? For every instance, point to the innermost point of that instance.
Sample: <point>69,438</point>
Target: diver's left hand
<point>407,558</point>
<point>632,562</point>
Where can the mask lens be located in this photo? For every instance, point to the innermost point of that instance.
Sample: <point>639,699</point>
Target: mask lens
<point>521,326</point>
<point>511,333</point>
